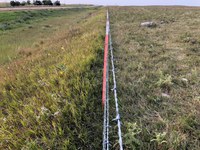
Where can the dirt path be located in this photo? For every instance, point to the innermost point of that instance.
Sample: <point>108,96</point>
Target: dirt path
<point>31,8</point>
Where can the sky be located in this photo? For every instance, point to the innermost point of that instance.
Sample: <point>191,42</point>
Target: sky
<point>137,2</point>
<point>130,2</point>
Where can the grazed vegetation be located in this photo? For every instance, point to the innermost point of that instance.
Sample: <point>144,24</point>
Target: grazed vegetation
<point>158,76</point>
<point>52,102</point>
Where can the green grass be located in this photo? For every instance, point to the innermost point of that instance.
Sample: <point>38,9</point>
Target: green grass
<point>53,101</point>
<point>29,35</point>
<point>14,19</point>
<point>158,76</point>
<point>8,16</point>
<point>50,95</point>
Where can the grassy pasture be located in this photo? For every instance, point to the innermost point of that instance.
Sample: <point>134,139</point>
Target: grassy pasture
<point>51,62</point>
<point>158,76</point>
<point>24,32</point>
<point>14,18</point>
<point>3,5</point>
<point>52,100</point>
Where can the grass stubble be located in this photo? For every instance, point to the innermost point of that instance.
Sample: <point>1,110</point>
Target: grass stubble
<point>158,76</point>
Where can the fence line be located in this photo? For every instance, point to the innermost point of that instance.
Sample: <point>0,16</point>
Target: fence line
<point>115,95</point>
<point>105,90</point>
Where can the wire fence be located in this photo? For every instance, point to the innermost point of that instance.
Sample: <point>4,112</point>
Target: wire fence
<point>105,95</point>
<point>115,96</point>
<point>105,91</point>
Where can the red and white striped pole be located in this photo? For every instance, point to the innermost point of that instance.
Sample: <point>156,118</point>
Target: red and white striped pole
<point>105,61</point>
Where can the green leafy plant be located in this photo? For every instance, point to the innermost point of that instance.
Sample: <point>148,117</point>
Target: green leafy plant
<point>160,138</point>
<point>130,138</point>
<point>165,80</point>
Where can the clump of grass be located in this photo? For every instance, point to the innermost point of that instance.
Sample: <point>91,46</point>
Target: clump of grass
<point>165,81</point>
<point>160,139</point>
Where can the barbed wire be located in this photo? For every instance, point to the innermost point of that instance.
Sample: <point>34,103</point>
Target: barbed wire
<point>115,94</point>
<point>105,95</point>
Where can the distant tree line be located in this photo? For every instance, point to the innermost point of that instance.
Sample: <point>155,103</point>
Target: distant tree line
<point>35,2</point>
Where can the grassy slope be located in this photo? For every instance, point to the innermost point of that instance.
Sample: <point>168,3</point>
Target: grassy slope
<point>53,102</point>
<point>13,19</point>
<point>2,5</point>
<point>158,76</point>
<point>26,31</point>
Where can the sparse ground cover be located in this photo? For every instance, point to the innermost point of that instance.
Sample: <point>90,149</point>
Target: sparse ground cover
<point>52,99</point>
<point>158,76</point>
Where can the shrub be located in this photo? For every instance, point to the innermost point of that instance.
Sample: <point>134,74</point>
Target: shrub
<point>12,3</point>
<point>23,3</point>
<point>17,3</point>
<point>47,2</point>
<point>57,3</point>
<point>4,26</point>
<point>37,2</point>
<point>28,2</point>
